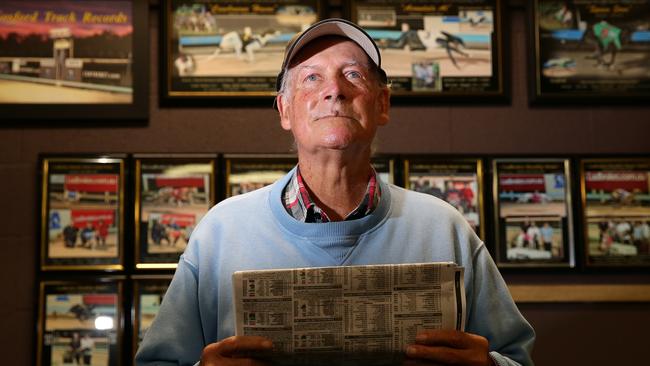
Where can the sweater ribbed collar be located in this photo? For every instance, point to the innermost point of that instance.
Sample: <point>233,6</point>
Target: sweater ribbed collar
<point>350,228</point>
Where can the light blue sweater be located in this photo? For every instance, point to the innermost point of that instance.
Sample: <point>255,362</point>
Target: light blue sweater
<point>253,231</point>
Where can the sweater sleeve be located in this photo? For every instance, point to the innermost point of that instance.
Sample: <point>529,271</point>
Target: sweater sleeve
<point>494,315</point>
<point>175,336</point>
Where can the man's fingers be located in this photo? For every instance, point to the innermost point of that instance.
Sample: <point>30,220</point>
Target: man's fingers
<point>448,338</point>
<point>450,347</point>
<point>236,345</point>
<point>443,355</point>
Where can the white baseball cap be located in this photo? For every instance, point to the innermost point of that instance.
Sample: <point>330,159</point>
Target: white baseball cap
<point>332,27</point>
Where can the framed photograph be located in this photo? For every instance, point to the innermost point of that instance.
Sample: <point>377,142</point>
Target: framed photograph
<point>385,168</point>
<point>457,181</point>
<point>82,211</point>
<point>616,211</point>
<point>227,49</point>
<point>245,173</point>
<point>148,293</point>
<point>80,323</point>
<point>532,213</point>
<point>437,49</point>
<point>588,51</point>
<point>74,60</point>
<point>172,195</point>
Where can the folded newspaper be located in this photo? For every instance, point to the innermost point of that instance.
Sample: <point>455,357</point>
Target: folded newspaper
<point>363,311</point>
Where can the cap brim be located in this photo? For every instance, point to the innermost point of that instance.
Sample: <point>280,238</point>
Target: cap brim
<point>335,27</point>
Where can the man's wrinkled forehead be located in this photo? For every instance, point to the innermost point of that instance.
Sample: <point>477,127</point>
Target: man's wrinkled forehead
<point>322,43</point>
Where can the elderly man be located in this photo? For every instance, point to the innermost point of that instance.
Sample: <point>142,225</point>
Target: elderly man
<point>330,210</point>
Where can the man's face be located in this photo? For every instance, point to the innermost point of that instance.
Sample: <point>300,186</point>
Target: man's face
<point>334,100</point>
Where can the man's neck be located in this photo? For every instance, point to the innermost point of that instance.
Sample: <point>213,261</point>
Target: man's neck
<point>336,184</point>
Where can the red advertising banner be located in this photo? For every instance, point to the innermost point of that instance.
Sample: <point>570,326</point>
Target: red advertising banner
<point>522,183</point>
<point>81,217</point>
<point>91,182</point>
<point>180,182</point>
<point>609,181</point>
<point>100,299</point>
<point>182,220</point>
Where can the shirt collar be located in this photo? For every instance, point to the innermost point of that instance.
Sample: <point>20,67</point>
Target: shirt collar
<point>302,207</point>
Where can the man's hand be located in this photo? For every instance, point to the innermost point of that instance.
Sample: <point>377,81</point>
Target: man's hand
<point>235,350</point>
<point>449,347</point>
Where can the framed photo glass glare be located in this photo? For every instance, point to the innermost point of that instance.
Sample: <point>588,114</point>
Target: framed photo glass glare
<point>591,50</point>
<point>533,217</point>
<point>229,48</point>
<point>457,181</point>
<point>73,59</point>
<point>172,195</point>
<point>449,48</point>
<point>616,211</point>
<point>82,224</point>
<point>80,323</point>
<point>245,173</point>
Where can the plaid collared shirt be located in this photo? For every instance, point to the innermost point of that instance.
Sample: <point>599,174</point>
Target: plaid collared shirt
<point>299,204</point>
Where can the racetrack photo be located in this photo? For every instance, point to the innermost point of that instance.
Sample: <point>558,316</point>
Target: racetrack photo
<point>14,91</point>
<point>398,63</point>
<point>534,238</point>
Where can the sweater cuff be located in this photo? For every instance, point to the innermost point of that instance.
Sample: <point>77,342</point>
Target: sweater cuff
<point>501,360</point>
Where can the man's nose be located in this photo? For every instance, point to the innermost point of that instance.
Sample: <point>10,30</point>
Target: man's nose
<point>334,89</point>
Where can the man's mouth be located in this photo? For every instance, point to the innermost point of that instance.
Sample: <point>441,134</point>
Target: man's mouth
<point>333,115</point>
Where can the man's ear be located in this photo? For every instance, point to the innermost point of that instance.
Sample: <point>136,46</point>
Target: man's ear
<point>285,122</point>
<point>384,106</point>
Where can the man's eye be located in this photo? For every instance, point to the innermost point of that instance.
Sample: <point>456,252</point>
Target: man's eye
<point>311,77</point>
<point>354,74</point>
